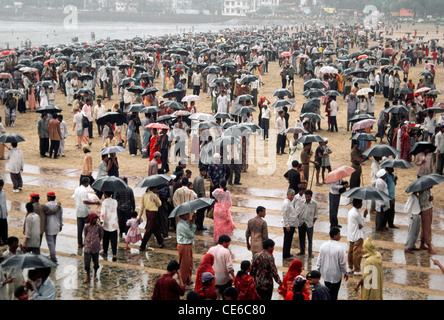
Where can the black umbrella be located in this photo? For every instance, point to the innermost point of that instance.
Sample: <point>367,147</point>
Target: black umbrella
<point>11,138</point>
<point>126,81</point>
<point>154,181</point>
<point>311,115</point>
<point>48,109</point>
<point>420,146</point>
<point>174,105</point>
<point>425,182</point>
<point>245,109</point>
<point>380,150</point>
<point>280,93</point>
<point>363,136</point>
<point>313,93</point>
<point>136,89</point>
<point>226,141</point>
<point>310,138</point>
<point>149,90</point>
<point>110,183</point>
<point>83,91</point>
<point>315,84</point>
<point>150,109</point>
<point>244,97</point>
<point>311,105</point>
<point>112,149</point>
<point>166,117</point>
<point>28,261</point>
<point>366,193</point>
<point>361,116</point>
<point>72,74</point>
<point>111,117</point>
<point>223,115</point>
<point>282,103</point>
<point>396,163</point>
<point>191,206</point>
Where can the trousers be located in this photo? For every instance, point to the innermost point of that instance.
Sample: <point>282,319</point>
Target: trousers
<point>413,232</point>
<point>355,255</point>
<point>151,227</point>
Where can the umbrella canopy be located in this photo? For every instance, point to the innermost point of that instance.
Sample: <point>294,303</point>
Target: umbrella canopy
<point>363,124</point>
<point>149,90</point>
<point>420,146</point>
<point>111,117</point>
<point>339,174</point>
<point>11,138</point>
<point>110,183</point>
<point>311,115</point>
<point>48,109</point>
<point>154,181</point>
<point>237,130</point>
<point>28,261</point>
<point>158,126</point>
<point>181,113</point>
<point>361,116</point>
<point>310,138</point>
<point>228,124</point>
<point>363,136</point>
<point>434,109</point>
<point>363,91</point>
<point>332,93</point>
<point>226,141</point>
<point>404,91</point>
<point>191,97</point>
<point>165,117</point>
<point>174,105</point>
<point>112,149</point>
<point>280,93</point>
<point>135,107</point>
<point>223,115</point>
<point>396,163</point>
<point>311,105</point>
<point>380,150</point>
<point>366,193</point>
<point>244,97</point>
<point>191,206</point>
<point>202,116</point>
<point>282,103</point>
<point>245,109</point>
<point>313,93</point>
<point>204,125</point>
<point>315,84</point>
<point>296,130</point>
<point>150,109</point>
<point>136,89</point>
<point>425,182</point>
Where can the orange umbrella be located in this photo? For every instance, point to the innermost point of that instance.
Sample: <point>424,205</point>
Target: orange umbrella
<point>362,56</point>
<point>48,62</point>
<point>339,173</point>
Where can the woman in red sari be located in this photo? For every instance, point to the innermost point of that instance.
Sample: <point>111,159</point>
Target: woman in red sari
<point>405,143</point>
<point>294,270</point>
<point>206,265</point>
<point>154,143</point>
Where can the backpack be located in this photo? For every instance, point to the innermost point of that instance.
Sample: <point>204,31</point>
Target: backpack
<point>85,122</point>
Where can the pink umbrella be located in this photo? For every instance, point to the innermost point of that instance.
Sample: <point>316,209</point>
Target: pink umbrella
<point>423,89</point>
<point>286,54</point>
<point>363,124</point>
<point>156,125</point>
<point>339,173</point>
<point>181,113</point>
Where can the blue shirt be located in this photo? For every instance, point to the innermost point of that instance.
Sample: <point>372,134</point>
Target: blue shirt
<point>390,180</point>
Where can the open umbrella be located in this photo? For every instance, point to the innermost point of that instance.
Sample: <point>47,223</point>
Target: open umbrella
<point>237,130</point>
<point>112,149</point>
<point>191,97</point>
<point>150,109</point>
<point>339,174</point>
<point>280,93</point>
<point>315,84</point>
<point>244,97</point>
<point>111,117</point>
<point>154,181</point>
<point>28,261</point>
<point>226,141</point>
<point>363,124</point>
<point>311,115</point>
<point>281,103</point>
<point>135,107</point>
<point>11,138</point>
<point>110,183</point>
<point>204,125</point>
<point>313,93</point>
<point>397,109</point>
<point>363,91</point>
<point>245,109</point>
<point>48,109</point>
<point>310,138</point>
<point>296,130</point>
<point>360,117</point>
<point>191,206</point>
<point>181,113</point>
<point>158,126</point>
<point>202,116</point>
<point>420,146</point>
<point>149,90</point>
<point>165,117</point>
<point>423,89</point>
<point>380,150</point>
<point>174,105</point>
<point>366,193</point>
<point>425,182</point>
<point>136,89</point>
<point>363,136</point>
<point>225,115</point>
<point>311,105</point>
<point>396,163</point>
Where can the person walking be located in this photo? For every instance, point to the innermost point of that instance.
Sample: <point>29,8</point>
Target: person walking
<point>413,209</point>
<point>55,135</point>
<point>355,237</point>
<point>64,131</point>
<point>223,222</point>
<point>243,282</point>
<point>54,224</point>
<point>318,290</point>
<point>199,189</point>
<point>332,263</point>
<point>382,207</point>
<point>15,165</point>
<point>150,206</point>
<point>257,231</point>
<point>185,232</point>
<point>426,205</point>
<point>110,224</point>
<point>307,215</point>
<point>43,132</point>
<point>93,233</point>
<point>264,271</point>
<point>289,222</point>
<point>223,265</point>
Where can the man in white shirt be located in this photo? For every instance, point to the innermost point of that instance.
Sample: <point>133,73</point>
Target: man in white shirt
<point>371,104</point>
<point>334,109</point>
<point>222,102</point>
<point>82,204</point>
<point>196,80</point>
<point>289,222</point>
<point>110,224</point>
<point>16,165</point>
<point>374,170</point>
<point>280,130</point>
<point>99,109</point>
<point>429,126</point>
<point>355,237</point>
<point>413,209</point>
<point>382,207</point>
<point>439,143</point>
<point>54,223</point>
<point>265,119</point>
<point>307,215</point>
<point>332,263</point>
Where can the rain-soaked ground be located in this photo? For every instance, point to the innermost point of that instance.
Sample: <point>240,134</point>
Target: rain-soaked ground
<point>132,276</point>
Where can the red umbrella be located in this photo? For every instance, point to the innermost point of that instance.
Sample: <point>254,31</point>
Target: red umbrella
<point>48,62</point>
<point>362,56</point>
<point>156,125</point>
<point>5,52</point>
<point>339,173</point>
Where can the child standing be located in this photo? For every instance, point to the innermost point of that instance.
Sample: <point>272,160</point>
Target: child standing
<point>93,232</point>
<point>133,235</point>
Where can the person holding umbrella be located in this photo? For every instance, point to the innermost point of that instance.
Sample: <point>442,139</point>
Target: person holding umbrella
<point>356,159</point>
<point>185,232</point>
<point>426,205</point>
<point>382,207</point>
<point>413,209</point>
<point>424,161</point>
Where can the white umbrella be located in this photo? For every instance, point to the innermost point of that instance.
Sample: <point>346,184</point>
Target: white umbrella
<point>202,116</point>
<point>363,91</point>
<point>328,69</point>
<point>191,97</point>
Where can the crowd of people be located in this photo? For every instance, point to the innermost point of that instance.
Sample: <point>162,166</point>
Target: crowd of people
<point>228,69</point>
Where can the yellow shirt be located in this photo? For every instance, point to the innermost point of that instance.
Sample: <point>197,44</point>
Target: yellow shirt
<point>150,202</point>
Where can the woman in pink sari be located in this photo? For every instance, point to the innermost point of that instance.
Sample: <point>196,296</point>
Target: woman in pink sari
<point>223,223</point>
<point>405,143</point>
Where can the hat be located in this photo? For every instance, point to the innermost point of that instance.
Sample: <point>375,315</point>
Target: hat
<point>313,274</point>
<point>34,195</point>
<point>381,173</point>
<point>51,193</point>
<point>207,276</point>
<point>299,280</point>
<point>157,153</point>
<point>86,147</point>
<point>352,94</point>
<point>216,156</point>
<point>265,103</point>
